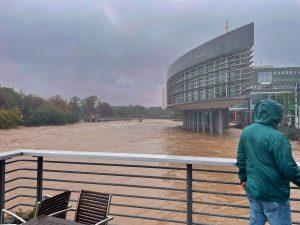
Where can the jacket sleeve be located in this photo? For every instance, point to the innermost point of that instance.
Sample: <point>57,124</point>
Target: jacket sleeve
<point>285,162</point>
<point>241,160</point>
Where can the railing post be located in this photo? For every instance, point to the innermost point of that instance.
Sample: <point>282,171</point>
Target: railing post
<point>2,189</point>
<point>189,193</point>
<point>39,179</point>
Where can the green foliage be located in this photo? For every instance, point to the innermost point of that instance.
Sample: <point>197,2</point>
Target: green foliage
<point>177,114</point>
<point>9,118</point>
<point>89,106</point>
<point>9,99</point>
<point>30,103</point>
<point>49,115</point>
<point>36,111</point>
<point>104,109</point>
<point>74,109</point>
<point>31,110</point>
<point>57,101</point>
<point>157,112</point>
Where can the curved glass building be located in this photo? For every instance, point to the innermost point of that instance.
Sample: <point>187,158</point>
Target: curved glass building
<point>206,81</point>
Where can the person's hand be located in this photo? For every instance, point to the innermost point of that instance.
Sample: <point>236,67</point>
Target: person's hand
<point>243,185</point>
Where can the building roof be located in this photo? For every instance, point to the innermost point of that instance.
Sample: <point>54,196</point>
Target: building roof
<point>238,39</point>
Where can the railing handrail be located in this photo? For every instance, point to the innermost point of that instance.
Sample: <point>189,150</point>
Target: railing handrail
<point>186,162</point>
<point>121,156</point>
<point>10,154</point>
<point>209,161</point>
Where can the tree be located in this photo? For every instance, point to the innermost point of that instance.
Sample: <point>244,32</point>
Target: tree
<point>89,105</point>
<point>30,103</point>
<point>48,115</point>
<point>104,109</point>
<point>9,118</point>
<point>74,108</point>
<point>57,101</point>
<point>9,99</point>
<point>138,111</point>
<point>120,111</point>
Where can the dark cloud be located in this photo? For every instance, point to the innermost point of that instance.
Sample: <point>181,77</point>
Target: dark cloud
<point>120,50</point>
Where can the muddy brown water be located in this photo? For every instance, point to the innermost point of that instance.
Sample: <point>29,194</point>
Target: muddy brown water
<point>150,136</point>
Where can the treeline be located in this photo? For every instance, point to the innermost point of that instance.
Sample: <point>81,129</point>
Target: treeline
<point>138,111</point>
<point>17,108</point>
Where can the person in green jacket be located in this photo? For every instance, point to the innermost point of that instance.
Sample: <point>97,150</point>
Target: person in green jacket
<point>266,166</point>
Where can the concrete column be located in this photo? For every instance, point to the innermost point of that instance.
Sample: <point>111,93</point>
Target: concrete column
<point>211,128</point>
<point>183,120</point>
<point>250,111</point>
<point>186,120</point>
<point>193,120</point>
<point>197,121</point>
<point>190,121</point>
<point>226,119</point>
<point>219,121</point>
<point>203,121</point>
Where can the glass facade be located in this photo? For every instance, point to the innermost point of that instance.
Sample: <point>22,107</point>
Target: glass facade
<point>220,78</point>
<point>264,77</point>
<point>272,78</point>
<point>207,80</point>
<point>278,84</point>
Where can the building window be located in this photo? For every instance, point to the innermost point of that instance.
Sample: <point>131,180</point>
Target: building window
<point>264,77</point>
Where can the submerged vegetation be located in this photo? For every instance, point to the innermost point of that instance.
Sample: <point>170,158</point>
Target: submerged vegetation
<point>17,108</point>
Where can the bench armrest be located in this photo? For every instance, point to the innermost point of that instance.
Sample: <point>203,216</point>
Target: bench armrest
<point>13,215</point>
<point>104,221</point>
<point>61,211</point>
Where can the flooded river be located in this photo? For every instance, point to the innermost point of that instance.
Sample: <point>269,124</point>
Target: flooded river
<point>150,136</point>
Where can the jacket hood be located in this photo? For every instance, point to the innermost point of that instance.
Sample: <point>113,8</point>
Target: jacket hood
<point>268,112</point>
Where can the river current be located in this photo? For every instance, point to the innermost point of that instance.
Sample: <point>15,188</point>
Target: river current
<point>147,137</point>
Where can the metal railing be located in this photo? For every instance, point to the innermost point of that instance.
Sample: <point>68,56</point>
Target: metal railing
<point>146,188</point>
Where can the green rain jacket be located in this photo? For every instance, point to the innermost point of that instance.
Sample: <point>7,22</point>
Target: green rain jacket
<point>264,156</point>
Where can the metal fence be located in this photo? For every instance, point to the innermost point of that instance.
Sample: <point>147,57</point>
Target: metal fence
<point>147,189</point>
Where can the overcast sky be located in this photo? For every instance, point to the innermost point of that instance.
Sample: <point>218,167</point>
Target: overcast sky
<point>120,50</point>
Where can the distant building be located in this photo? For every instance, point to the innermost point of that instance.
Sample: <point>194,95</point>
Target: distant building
<point>270,78</point>
<point>217,78</point>
<point>206,81</point>
<point>277,83</point>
